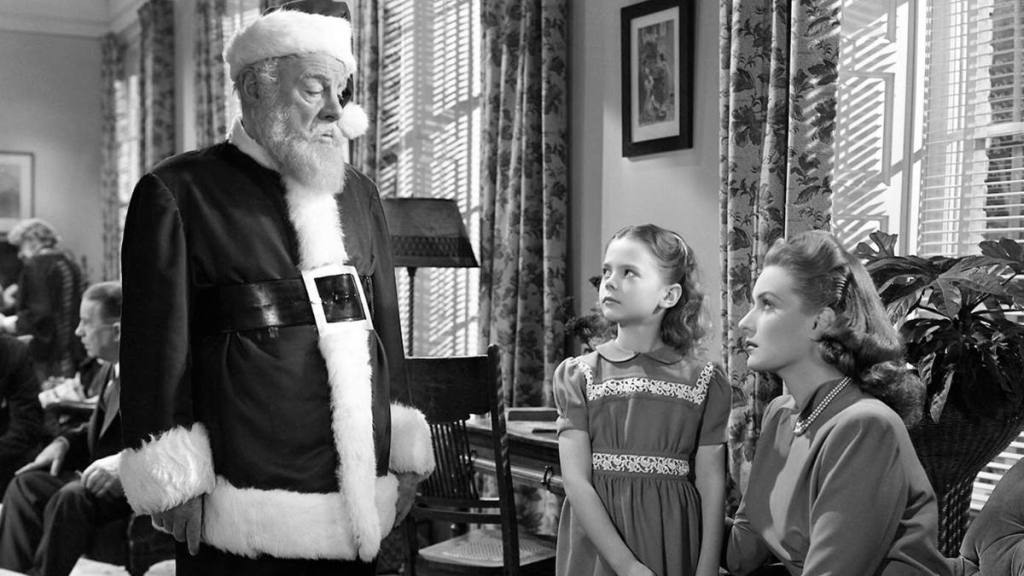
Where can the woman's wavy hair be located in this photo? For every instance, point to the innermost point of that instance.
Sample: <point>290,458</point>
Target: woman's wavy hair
<point>862,342</point>
<point>682,327</point>
<point>34,229</point>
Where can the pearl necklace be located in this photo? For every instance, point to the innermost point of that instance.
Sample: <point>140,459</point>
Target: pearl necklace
<point>801,426</point>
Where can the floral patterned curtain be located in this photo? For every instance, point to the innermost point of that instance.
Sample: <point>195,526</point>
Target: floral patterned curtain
<point>111,73</point>
<point>777,84</point>
<point>156,86</point>
<point>210,73</point>
<point>524,192</point>
<point>368,17</point>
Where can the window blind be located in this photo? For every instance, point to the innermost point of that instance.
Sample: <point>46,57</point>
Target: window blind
<point>993,473</point>
<point>430,147</point>
<point>972,182</point>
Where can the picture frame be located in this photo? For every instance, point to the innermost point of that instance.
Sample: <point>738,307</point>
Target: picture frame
<point>17,188</point>
<point>657,76</point>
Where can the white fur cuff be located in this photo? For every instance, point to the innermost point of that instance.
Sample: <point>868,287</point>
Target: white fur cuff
<point>285,524</point>
<point>411,449</point>
<point>168,470</point>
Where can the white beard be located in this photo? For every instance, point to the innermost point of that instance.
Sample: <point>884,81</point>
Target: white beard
<point>312,163</point>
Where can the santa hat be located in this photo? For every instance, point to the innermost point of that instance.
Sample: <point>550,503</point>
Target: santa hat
<point>291,32</point>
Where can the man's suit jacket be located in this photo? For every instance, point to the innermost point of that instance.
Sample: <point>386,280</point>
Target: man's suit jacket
<point>101,435</point>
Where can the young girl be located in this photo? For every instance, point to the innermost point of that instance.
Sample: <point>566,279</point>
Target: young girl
<point>835,487</point>
<point>642,423</point>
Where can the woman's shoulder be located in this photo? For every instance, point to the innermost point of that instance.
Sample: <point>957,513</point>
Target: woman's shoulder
<point>869,420</point>
<point>868,410</point>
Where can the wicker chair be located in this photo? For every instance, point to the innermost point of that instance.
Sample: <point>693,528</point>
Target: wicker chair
<point>952,452</point>
<point>448,391</point>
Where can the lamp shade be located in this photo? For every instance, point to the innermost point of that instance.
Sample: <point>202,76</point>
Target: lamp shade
<point>428,233</point>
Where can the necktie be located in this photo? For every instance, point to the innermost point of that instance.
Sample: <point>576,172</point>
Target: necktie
<point>110,402</point>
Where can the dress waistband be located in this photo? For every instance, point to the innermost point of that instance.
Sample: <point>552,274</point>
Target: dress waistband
<point>635,464</point>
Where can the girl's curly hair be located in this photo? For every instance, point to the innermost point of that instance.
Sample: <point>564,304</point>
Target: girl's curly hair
<point>682,327</point>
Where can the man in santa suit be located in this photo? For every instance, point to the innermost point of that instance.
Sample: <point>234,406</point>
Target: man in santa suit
<point>261,347</point>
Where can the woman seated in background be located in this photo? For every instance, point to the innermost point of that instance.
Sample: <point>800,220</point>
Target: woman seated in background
<point>49,294</point>
<point>835,486</point>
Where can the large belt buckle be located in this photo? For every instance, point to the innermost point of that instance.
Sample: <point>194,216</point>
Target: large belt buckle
<point>335,273</point>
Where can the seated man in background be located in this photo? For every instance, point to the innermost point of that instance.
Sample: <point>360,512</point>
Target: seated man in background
<point>21,424</point>
<point>50,510</point>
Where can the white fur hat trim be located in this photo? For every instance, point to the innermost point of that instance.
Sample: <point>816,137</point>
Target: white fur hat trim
<point>289,32</point>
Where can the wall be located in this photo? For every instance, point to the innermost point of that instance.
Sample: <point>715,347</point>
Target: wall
<point>50,98</point>
<point>50,105</point>
<point>677,190</point>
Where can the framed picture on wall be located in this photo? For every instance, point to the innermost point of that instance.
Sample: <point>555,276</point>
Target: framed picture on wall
<point>657,76</point>
<point>17,183</point>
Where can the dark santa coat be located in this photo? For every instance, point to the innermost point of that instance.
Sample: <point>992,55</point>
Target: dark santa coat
<point>286,432</point>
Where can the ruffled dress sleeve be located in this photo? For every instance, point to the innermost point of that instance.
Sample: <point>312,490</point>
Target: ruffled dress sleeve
<point>570,393</point>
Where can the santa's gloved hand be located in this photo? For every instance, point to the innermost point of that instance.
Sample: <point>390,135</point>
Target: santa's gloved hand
<point>408,483</point>
<point>184,522</point>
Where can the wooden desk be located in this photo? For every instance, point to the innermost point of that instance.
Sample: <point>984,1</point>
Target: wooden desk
<point>533,451</point>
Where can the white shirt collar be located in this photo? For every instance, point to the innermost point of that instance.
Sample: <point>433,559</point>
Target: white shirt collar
<point>240,138</point>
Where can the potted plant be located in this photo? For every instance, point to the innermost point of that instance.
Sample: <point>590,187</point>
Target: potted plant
<point>590,328</point>
<point>957,317</point>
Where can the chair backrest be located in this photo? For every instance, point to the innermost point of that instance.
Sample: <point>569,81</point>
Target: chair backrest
<point>448,390</point>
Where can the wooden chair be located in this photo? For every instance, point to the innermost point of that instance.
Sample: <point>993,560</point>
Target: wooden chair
<point>449,390</point>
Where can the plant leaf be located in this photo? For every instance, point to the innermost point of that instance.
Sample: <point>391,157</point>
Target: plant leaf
<point>957,316</point>
<point>898,276</point>
<point>884,242</point>
<point>1004,249</point>
<point>939,400</point>
<point>949,304</point>
<point>1015,290</point>
<point>991,360</point>
<point>924,369</point>
<point>899,309</point>
<point>970,280</point>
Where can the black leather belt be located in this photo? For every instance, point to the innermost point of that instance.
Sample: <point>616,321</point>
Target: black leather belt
<point>278,303</point>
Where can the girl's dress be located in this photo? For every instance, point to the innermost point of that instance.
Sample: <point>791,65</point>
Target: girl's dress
<point>646,414</point>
